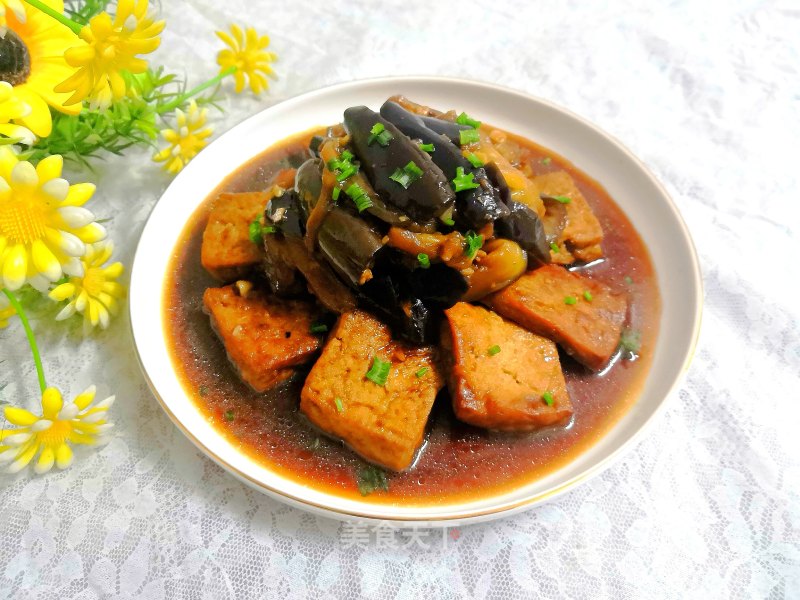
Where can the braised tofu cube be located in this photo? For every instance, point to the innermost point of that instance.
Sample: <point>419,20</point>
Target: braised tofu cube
<point>383,422</point>
<point>266,338</point>
<point>582,315</point>
<point>500,375</point>
<point>582,233</point>
<point>227,252</point>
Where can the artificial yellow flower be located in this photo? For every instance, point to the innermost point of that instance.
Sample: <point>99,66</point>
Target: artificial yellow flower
<point>111,48</point>
<point>12,108</point>
<point>51,434</point>
<point>186,140</point>
<point>6,311</point>
<point>246,53</point>
<point>45,41</point>
<point>44,228</point>
<point>95,294</point>
<point>16,7</point>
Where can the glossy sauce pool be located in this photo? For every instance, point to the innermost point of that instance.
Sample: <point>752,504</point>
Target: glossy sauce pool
<point>457,462</point>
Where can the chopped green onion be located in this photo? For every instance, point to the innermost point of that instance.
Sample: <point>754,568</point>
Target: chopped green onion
<point>570,300</point>
<point>469,136</point>
<point>343,166</point>
<point>359,197</point>
<point>379,371</point>
<point>423,260</point>
<point>203,390</point>
<point>587,295</point>
<point>447,217</point>
<point>463,181</point>
<point>318,327</point>
<point>465,119</point>
<point>380,135</point>
<point>448,221</point>
<point>335,193</point>
<point>474,243</point>
<point>548,398</point>
<point>339,405</point>
<point>554,247</point>
<point>474,160</point>
<point>254,231</point>
<point>563,199</point>
<point>427,147</point>
<point>268,229</point>
<point>372,478</point>
<point>421,372</point>
<point>229,415</point>
<point>346,173</point>
<point>630,340</point>
<point>628,280</point>
<point>546,160</point>
<point>347,156</point>
<point>494,350</point>
<point>407,175</point>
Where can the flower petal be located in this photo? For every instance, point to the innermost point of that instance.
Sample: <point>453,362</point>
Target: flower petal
<point>76,216</point>
<point>20,416</point>
<point>63,456</point>
<point>85,398</point>
<point>45,261</point>
<point>45,462</point>
<point>15,267</point>
<point>51,403</point>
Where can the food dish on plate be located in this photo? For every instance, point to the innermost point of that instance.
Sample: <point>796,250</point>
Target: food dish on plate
<point>392,293</point>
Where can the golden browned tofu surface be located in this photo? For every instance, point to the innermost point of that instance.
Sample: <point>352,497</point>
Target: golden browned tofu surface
<point>582,235</point>
<point>582,315</point>
<point>227,252</point>
<point>265,337</point>
<point>500,375</point>
<point>383,423</point>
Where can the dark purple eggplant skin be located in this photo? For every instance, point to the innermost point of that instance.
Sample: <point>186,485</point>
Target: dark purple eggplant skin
<point>284,213</point>
<point>348,244</point>
<point>308,185</point>
<point>474,208</point>
<point>426,198</point>
<point>446,128</point>
<point>522,225</point>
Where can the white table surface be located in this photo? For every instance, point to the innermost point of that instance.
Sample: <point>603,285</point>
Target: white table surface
<point>707,506</point>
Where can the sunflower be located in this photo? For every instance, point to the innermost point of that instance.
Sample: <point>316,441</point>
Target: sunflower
<point>15,6</point>
<point>38,44</point>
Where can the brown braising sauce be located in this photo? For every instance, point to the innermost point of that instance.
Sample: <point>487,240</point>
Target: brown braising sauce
<point>458,462</point>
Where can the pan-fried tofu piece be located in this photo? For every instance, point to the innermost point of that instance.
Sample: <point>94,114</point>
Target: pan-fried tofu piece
<point>227,252</point>
<point>582,235</point>
<point>265,337</point>
<point>584,316</point>
<point>383,423</point>
<point>502,376</point>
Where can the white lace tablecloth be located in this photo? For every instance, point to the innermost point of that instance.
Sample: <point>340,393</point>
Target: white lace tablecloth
<point>707,506</point>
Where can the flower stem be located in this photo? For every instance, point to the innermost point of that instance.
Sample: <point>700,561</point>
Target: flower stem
<point>194,91</point>
<point>64,20</point>
<point>37,359</point>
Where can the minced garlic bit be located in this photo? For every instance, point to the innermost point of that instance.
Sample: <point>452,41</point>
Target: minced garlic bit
<point>243,287</point>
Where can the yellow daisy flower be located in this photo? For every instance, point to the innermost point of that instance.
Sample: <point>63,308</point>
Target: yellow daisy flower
<point>246,53</point>
<point>12,108</point>
<point>6,311</point>
<point>16,7</point>
<point>51,434</point>
<point>186,140</point>
<point>111,47</point>
<point>44,228</point>
<point>39,42</point>
<point>95,295</point>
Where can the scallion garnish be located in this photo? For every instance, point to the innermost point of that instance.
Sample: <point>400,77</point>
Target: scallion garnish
<point>465,119</point>
<point>570,300</point>
<point>421,372</point>
<point>448,221</point>
<point>318,327</point>
<point>447,217</point>
<point>548,398</point>
<point>469,136</point>
<point>628,280</point>
<point>379,371</point>
<point>630,340</point>
<point>407,175</point>
<point>229,415</point>
<point>474,160</point>
<point>254,231</point>
<point>380,135</point>
<point>343,166</point>
<point>494,350</point>
<point>554,247</point>
<point>463,181</point>
<point>587,295</point>
<point>268,229</point>
<point>427,147</point>
<point>347,155</point>
<point>474,243</point>
<point>563,199</point>
<point>423,260</point>
<point>335,193</point>
<point>546,160</point>
<point>359,197</point>
<point>339,405</point>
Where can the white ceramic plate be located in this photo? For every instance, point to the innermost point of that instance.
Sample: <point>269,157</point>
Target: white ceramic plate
<point>635,190</point>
